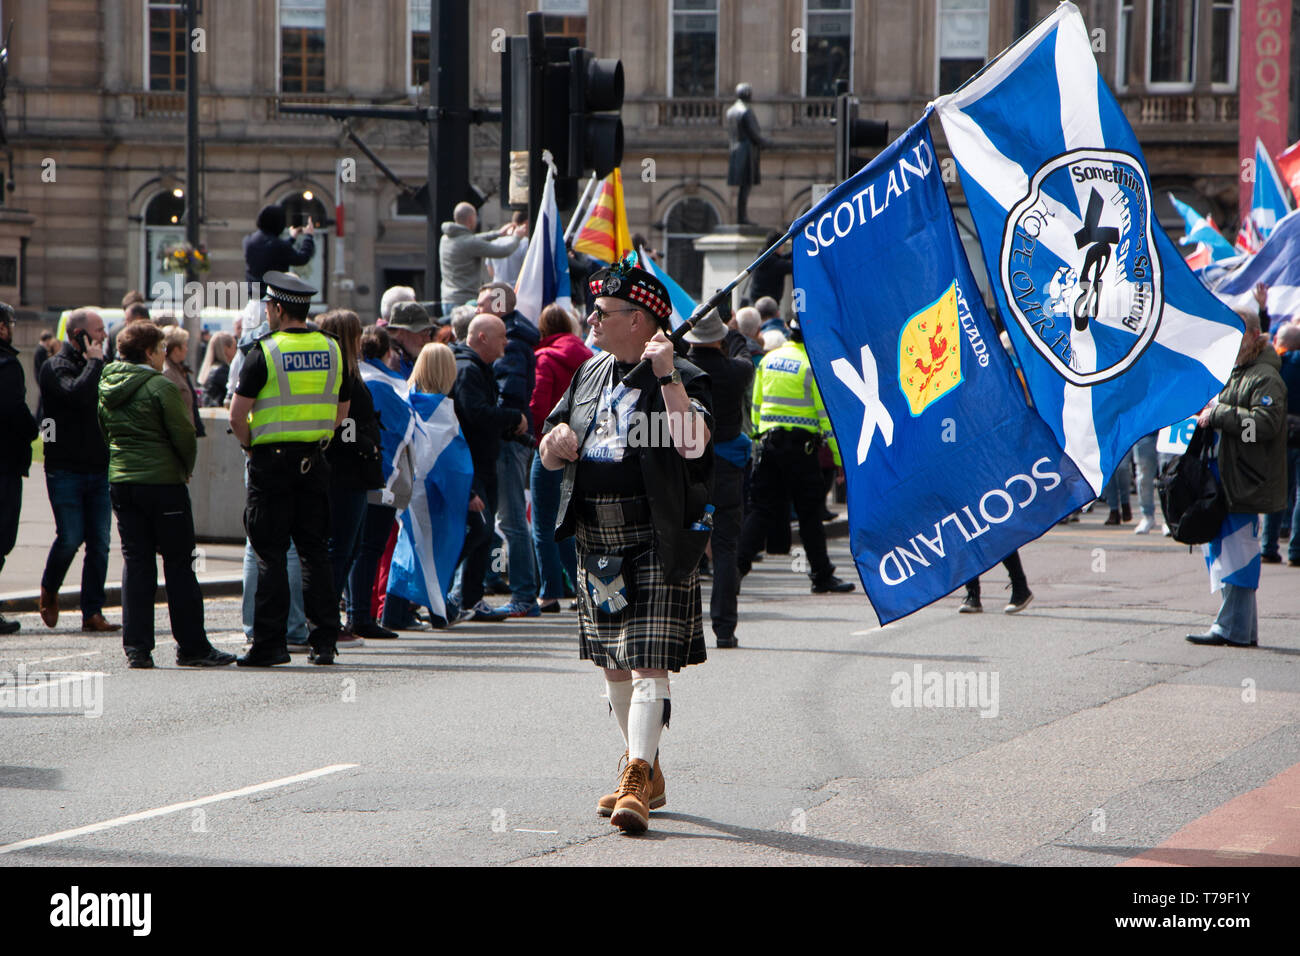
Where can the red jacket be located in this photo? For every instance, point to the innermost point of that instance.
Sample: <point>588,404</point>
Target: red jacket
<point>558,357</point>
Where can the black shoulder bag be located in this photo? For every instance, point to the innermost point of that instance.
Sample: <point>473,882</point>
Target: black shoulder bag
<point>1191,495</point>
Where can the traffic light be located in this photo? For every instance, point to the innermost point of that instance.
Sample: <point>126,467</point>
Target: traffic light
<point>851,132</point>
<point>595,128</point>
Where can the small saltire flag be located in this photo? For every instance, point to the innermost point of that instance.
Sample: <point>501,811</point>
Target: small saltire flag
<point>544,276</point>
<point>683,305</point>
<point>397,423</point>
<point>1288,166</point>
<point>948,469</point>
<point>1116,336</point>
<point>1201,231</point>
<point>1270,200</point>
<point>605,235</point>
<point>1233,557</point>
<point>1277,264</point>
<point>432,530</point>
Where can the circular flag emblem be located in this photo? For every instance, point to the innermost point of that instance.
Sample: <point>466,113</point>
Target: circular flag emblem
<point>1079,267</point>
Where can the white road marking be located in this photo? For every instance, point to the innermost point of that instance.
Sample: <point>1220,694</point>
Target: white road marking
<point>171,808</point>
<point>65,657</point>
<point>522,830</point>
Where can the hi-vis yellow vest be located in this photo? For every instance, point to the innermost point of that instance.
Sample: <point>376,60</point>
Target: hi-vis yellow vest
<point>300,399</point>
<point>786,396</point>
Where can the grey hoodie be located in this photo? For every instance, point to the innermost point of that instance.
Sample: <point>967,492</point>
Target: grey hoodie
<point>461,255</point>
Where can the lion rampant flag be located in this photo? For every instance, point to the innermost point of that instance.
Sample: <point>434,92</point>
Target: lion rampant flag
<point>605,235</point>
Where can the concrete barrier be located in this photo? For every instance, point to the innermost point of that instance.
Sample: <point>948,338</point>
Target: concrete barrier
<point>217,488</point>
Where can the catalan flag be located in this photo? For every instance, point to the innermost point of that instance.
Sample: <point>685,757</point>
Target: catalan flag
<point>605,235</point>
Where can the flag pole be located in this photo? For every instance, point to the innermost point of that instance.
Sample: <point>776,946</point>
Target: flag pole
<point>580,209</point>
<point>702,311</point>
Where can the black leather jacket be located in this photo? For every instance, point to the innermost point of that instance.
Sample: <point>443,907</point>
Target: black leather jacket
<point>678,488</point>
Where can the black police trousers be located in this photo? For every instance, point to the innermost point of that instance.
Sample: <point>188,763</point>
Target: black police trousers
<point>285,503</point>
<point>788,469</point>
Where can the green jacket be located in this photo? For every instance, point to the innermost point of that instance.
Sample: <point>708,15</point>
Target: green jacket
<point>149,430</point>
<point>1251,419</point>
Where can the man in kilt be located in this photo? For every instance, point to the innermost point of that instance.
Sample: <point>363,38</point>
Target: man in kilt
<point>638,473</point>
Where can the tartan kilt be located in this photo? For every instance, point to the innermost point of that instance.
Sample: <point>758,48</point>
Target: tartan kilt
<point>663,626</point>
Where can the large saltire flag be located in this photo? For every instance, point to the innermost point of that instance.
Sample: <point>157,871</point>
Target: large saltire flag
<point>432,530</point>
<point>544,276</point>
<point>397,423</point>
<point>683,305</point>
<point>1116,336</point>
<point>948,468</point>
<point>605,235</point>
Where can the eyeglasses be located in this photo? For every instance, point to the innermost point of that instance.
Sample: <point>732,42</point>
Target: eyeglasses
<point>602,314</point>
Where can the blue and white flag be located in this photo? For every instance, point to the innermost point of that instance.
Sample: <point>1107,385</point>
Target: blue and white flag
<point>1116,336</point>
<point>397,421</point>
<point>1278,264</point>
<point>1270,200</point>
<point>544,276</point>
<point>1233,557</point>
<point>1198,229</point>
<point>683,305</point>
<point>432,530</point>
<point>948,469</point>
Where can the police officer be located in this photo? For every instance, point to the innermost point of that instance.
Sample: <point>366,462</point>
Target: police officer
<point>291,394</point>
<point>789,420</point>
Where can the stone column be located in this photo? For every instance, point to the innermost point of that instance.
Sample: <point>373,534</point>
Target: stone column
<point>728,250</point>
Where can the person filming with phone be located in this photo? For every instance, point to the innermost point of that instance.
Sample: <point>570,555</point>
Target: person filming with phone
<point>76,469</point>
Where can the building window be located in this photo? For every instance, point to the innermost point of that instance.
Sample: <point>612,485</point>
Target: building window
<point>963,41</point>
<point>829,56</point>
<point>687,220</point>
<point>1123,49</point>
<point>694,67</point>
<point>302,46</point>
<point>1172,47</point>
<point>166,47</point>
<point>565,18</point>
<point>418,18</point>
<point>163,227</point>
<point>1223,43</point>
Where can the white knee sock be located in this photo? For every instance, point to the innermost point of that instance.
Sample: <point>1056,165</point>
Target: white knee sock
<point>620,697</point>
<point>646,714</point>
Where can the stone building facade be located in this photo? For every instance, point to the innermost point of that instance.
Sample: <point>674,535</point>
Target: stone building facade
<point>95,116</point>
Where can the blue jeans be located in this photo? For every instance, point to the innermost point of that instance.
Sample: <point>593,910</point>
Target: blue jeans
<point>1273,523</point>
<point>1147,468</point>
<point>1117,489</point>
<point>82,514</point>
<point>297,626</point>
<point>555,559</point>
<point>512,510</point>
<point>1238,620</point>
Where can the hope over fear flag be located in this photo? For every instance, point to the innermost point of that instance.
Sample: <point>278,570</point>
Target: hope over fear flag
<point>948,469</point>
<point>1116,336</point>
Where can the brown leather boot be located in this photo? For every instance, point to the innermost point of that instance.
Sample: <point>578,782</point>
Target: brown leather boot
<point>96,624</point>
<point>49,608</point>
<point>632,811</point>
<point>605,805</point>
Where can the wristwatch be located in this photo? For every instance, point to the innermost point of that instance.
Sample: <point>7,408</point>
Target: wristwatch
<point>674,378</point>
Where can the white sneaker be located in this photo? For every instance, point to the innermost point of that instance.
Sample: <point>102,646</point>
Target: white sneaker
<point>1164,529</point>
<point>1143,526</point>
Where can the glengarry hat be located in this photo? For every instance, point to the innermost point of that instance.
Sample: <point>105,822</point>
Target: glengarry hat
<point>286,287</point>
<point>410,316</point>
<point>628,282</point>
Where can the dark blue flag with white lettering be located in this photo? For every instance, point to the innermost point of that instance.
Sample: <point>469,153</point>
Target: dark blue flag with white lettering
<point>949,470</point>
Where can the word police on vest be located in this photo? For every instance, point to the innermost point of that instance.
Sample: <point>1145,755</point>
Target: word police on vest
<point>76,909</point>
<point>306,361</point>
<point>852,213</point>
<point>994,506</point>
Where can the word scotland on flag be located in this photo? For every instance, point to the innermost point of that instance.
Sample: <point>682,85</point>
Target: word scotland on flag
<point>948,468</point>
<point>1116,336</point>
